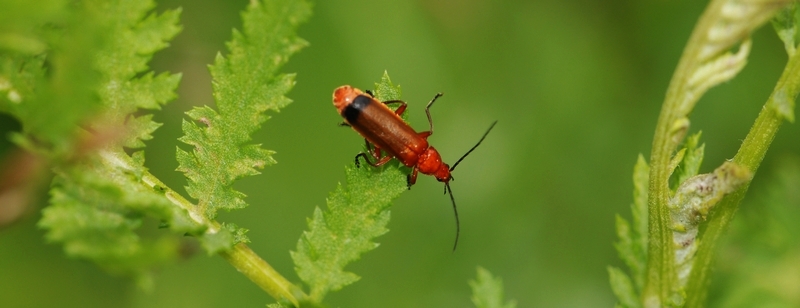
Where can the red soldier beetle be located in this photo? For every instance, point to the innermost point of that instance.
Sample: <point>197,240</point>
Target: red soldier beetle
<point>384,129</point>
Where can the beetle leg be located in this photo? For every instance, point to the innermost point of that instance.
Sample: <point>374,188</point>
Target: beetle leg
<point>401,109</point>
<point>376,151</point>
<point>412,178</point>
<point>358,164</point>
<point>378,163</point>
<point>428,111</point>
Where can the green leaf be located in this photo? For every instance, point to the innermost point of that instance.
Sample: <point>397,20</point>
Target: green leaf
<point>785,24</point>
<point>487,291</point>
<point>246,84</point>
<point>222,239</point>
<point>96,206</point>
<point>690,205</point>
<point>693,158</point>
<point>639,209</point>
<point>50,102</point>
<point>628,250</point>
<point>385,90</point>
<point>356,214</point>
<point>707,60</point>
<point>137,130</point>
<point>20,75</point>
<point>138,36</point>
<point>676,161</point>
<point>117,40</point>
<point>214,242</point>
<point>632,244</point>
<point>101,196</point>
<point>623,288</point>
<point>760,264</point>
<point>21,22</point>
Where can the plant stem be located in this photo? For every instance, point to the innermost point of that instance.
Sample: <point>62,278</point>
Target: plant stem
<point>706,61</point>
<point>750,155</point>
<point>240,256</point>
<point>660,268</point>
<point>262,274</point>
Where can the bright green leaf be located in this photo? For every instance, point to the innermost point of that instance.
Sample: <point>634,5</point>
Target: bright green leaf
<point>690,164</point>
<point>138,36</point>
<point>639,209</point>
<point>100,197</point>
<point>96,207</point>
<point>246,84</point>
<point>385,90</point>
<point>222,239</point>
<point>356,214</point>
<point>632,244</point>
<point>138,130</point>
<point>21,22</point>
<point>623,288</point>
<point>50,105</point>
<point>762,245</point>
<point>487,291</point>
<point>626,248</point>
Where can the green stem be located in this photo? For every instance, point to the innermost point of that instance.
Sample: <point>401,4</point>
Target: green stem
<point>750,155</point>
<point>240,256</point>
<point>262,274</point>
<point>706,61</point>
<point>660,268</point>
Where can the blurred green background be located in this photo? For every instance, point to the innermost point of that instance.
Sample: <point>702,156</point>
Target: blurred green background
<point>575,85</point>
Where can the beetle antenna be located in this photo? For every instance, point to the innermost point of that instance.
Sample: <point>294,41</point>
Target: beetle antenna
<point>455,211</point>
<point>472,149</point>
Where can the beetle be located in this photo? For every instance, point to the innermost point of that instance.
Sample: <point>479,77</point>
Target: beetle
<point>385,131</point>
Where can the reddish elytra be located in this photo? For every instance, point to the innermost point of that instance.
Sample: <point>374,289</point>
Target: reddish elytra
<point>384,129</point>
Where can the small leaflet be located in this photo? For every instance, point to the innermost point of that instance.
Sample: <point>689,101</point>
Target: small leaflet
<point>691,204</point>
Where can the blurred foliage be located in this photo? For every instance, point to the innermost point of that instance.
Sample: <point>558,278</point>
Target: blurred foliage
<point>575,85</point>
<point>632,242</point>
<point>760,260</point>
<point>487,291</point>
<point>75,103</point>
